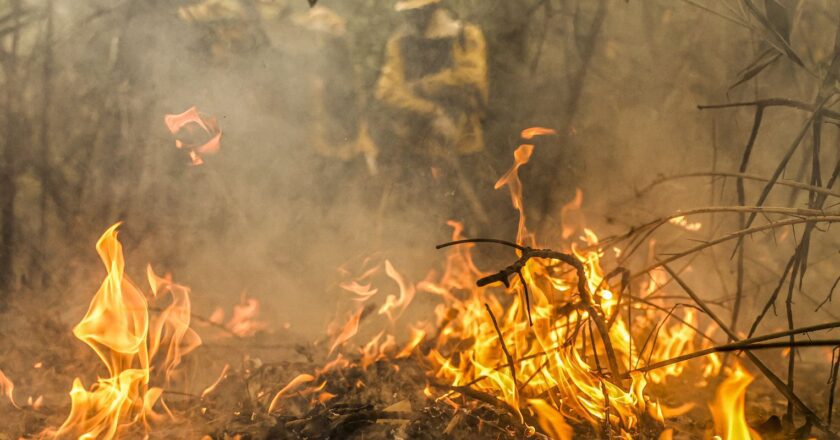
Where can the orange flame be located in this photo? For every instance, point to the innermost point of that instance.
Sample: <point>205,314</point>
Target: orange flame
<point>392,303</point>
<point>118,328</point>
<point>530,133</point>
<point>551,420</point>
<point>297,381</point>
<point>728,407</point>
<point>7,387</point>
<point>348,330</point>
<point>521,156</point>
<point>215,384</point>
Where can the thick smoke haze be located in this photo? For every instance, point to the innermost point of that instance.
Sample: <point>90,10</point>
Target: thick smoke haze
<point>270,217</point>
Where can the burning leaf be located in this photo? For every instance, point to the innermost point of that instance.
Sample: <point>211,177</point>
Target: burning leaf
<point>188,121</point>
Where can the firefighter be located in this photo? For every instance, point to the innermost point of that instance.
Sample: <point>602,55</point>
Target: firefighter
<point>433,90</point>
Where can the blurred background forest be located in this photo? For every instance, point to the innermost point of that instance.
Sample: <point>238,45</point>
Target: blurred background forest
<point>86,84</point>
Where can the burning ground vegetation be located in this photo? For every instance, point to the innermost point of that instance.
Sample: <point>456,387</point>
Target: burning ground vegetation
<point>550,346</point>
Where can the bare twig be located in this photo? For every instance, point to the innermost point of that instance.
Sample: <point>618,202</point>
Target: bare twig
<point>733,236</point>
<point>740,177</point>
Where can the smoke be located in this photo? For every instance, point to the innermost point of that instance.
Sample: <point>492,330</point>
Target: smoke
<point>272,216</point>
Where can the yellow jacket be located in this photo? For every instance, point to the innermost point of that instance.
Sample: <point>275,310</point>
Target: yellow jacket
<point>458,90</point>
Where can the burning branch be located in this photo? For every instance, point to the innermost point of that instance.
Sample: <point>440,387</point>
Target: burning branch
<point>589,303</point>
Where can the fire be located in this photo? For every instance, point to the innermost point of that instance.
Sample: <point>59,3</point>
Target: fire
<point>7,387</point>
<point>244,321</point>
<point>728,406</point>
<point>190,120</point>
<point>671,342</point>
<point>561,371</point>
<point>553,361</point>
<point>296,382</point>
<point>521,156</point>
<point>682,222</point>
<point>551,420</point>
<point>530,133</point>
<point>132,344</point>
<point>348,330</point>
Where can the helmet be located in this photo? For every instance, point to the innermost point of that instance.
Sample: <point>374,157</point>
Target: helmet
<point>406,5</point>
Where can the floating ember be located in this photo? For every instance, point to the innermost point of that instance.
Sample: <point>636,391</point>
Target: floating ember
<point>193,125</point>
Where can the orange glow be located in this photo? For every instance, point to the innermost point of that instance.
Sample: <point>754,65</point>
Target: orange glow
<point>728,406</point>
<point>188,120</point>
<point>131,344</point>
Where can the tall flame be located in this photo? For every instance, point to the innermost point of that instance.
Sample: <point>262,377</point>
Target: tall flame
<point>728,407</point>
<point>130,343</point>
